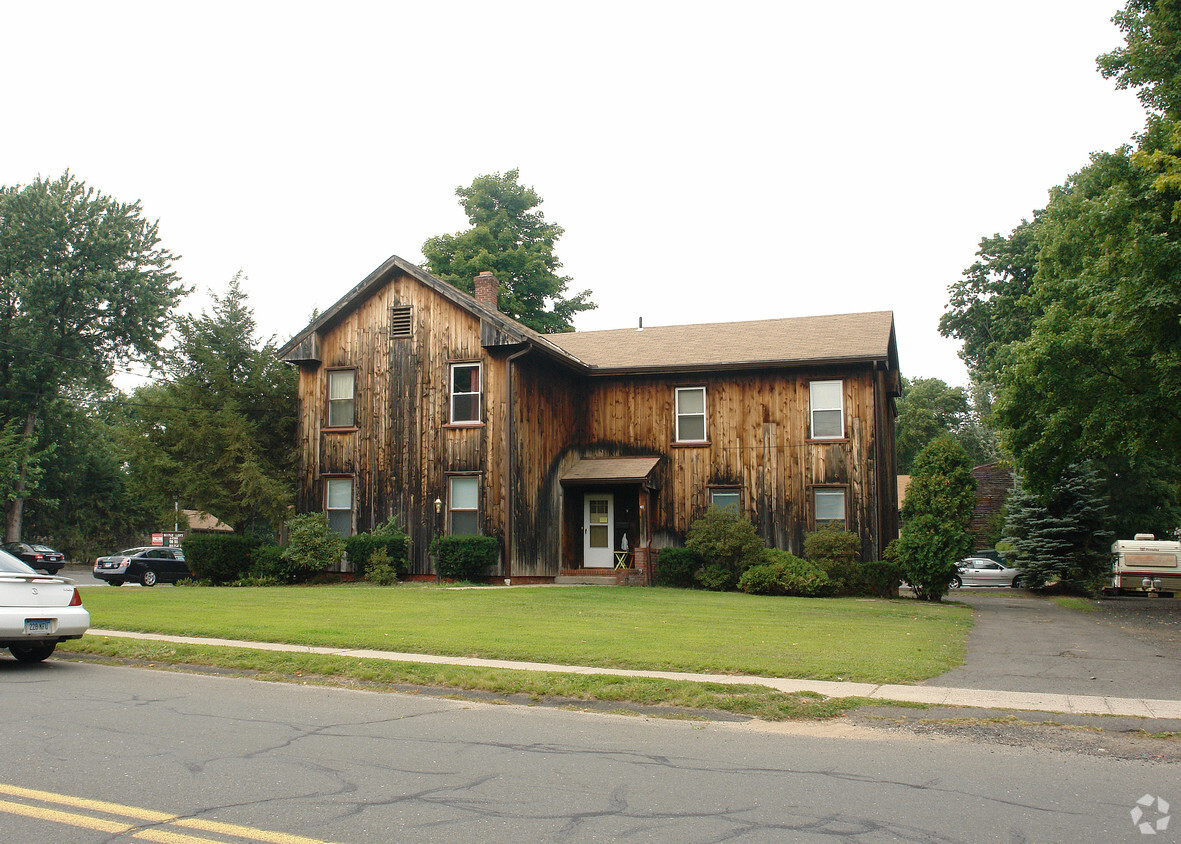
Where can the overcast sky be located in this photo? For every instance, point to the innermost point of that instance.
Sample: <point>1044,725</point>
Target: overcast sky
<point>708,161</point>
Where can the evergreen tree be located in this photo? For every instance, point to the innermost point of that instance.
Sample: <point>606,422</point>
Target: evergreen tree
<point>225,423</point>
<point>1064,537</point>
<point>516,243</point>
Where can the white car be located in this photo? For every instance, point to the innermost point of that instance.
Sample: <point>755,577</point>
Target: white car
<point>981,571</point>
<point>37,611</point>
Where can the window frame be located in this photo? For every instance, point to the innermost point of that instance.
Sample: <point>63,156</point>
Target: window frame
<point>813,409</point>
<point>452,509</point>
<point>351,509</point>
<point>329,401</point>
<point>736,491</point>
<point>452,394</point>
<point>818,524</point>
<point>678,414</point>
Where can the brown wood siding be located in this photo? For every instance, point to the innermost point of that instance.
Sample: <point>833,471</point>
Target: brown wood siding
<point>402,451</point>
<point>549,419</point>
<point>757,425</point>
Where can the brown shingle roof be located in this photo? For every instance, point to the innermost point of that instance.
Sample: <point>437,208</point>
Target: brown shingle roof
<point>604,469</point>
<point>815,339</point>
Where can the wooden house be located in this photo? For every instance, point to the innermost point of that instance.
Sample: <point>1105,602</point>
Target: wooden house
<point>578,451</point>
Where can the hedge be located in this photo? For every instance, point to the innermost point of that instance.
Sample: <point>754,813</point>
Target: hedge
<point>466,557</point>
<point>220,558</point>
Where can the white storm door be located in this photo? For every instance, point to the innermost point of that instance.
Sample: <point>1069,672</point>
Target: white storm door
<point>598,527</point>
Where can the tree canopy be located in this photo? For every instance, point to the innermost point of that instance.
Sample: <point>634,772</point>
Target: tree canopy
<point>928,409</point>
<point>513,240</point>
<point>224,422</point>
<point>84,283</point>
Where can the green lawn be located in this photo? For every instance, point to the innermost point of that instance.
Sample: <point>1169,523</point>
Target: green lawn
<point>662,629</point>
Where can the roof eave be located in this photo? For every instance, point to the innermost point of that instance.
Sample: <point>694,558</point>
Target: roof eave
<point>657,369</point>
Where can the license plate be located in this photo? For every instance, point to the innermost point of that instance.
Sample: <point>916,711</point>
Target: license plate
<point>38,625</point>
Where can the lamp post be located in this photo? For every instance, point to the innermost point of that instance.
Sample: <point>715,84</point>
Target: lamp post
<point>434,522</point>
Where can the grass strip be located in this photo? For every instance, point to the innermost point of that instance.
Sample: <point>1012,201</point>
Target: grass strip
<point>752,701</point>
<point>859,639</point>
<point>1076,604</point>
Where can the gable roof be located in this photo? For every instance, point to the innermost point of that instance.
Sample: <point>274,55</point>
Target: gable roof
<point>833,339</point>
<point>305,344</point>
<point>838,338</point>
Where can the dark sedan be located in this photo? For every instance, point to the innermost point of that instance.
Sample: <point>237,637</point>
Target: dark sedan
<point>39,557</point>
<point>146,566</point>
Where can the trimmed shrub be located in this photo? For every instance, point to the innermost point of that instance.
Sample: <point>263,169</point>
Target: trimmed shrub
<point>781,573</point>
<point>466,557</point>
<point>835,552</point>
<point>882,578</point>
<point>219,558</point>
<point>727,544</point>
<point>380,569</point>
<point>830,543</point>
<point>312,546</point>
<point>363,546</point>
<point>675,567</point>
<point>267,563</point>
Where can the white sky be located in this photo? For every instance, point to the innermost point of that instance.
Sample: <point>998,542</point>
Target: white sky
<point>709,161</point>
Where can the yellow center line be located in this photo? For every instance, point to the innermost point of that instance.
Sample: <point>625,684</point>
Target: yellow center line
<point>54,815</point>
<point>158,835</point>
<point>246,832</point>
<point>163,836</point>
<point>83,803</point>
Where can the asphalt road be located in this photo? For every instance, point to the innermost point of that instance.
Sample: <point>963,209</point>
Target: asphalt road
<point>1128,647</point>
<point>180,752</point>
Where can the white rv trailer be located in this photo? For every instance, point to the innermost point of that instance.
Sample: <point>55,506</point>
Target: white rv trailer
<point>1145,566</point>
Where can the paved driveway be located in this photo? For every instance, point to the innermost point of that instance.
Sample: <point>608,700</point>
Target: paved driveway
<point>1129,647</point>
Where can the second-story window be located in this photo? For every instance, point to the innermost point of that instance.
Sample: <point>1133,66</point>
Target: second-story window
<point>342,398</point>
<point>465,393</point>
<point>690,414</point>
<point>828,410</point>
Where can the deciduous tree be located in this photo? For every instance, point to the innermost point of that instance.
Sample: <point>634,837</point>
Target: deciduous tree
<point>84,283</point>
<point>511,238</point>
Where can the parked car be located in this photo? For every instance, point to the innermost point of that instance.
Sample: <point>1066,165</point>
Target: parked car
<point>145,565</point>
<point>39,557</point>
<point>981,571</point>
<point>37,610</point>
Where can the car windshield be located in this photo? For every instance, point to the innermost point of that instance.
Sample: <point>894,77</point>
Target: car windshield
<point>130,552</point>
<point>12,565</point>
<point>42,548</point>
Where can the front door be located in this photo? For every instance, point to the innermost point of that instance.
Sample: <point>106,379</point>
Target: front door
<point>598,526</point>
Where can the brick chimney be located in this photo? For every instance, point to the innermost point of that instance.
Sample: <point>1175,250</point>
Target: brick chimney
<point>486,289</point>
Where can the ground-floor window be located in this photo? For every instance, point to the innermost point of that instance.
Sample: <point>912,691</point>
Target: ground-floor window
<point>463,505</point>
<point>338,504</point>
<point>828,508</point>
<point>726,499</point>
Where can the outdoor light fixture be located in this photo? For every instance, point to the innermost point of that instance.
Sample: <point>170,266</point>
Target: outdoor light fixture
<point>438,506</point>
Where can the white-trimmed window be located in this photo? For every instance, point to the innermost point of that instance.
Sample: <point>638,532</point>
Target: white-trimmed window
<point>342,398</point>
<point>690,414</point>
<point>828,508</point>
<point>828,410</point>
<point>338,504</point>
<point>726,499</point>
<point>463,505</point>
<point>465,393</point>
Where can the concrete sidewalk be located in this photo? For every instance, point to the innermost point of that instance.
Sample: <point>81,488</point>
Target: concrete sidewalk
<point>984,698</point>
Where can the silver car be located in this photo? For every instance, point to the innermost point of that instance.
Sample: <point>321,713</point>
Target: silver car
<point>981,571</point>
<point>37,610</point>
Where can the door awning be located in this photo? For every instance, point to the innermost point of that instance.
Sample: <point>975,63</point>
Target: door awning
<point>610,470</point>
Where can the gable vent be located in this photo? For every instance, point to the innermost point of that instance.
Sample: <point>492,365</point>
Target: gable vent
<point>399,322</point>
